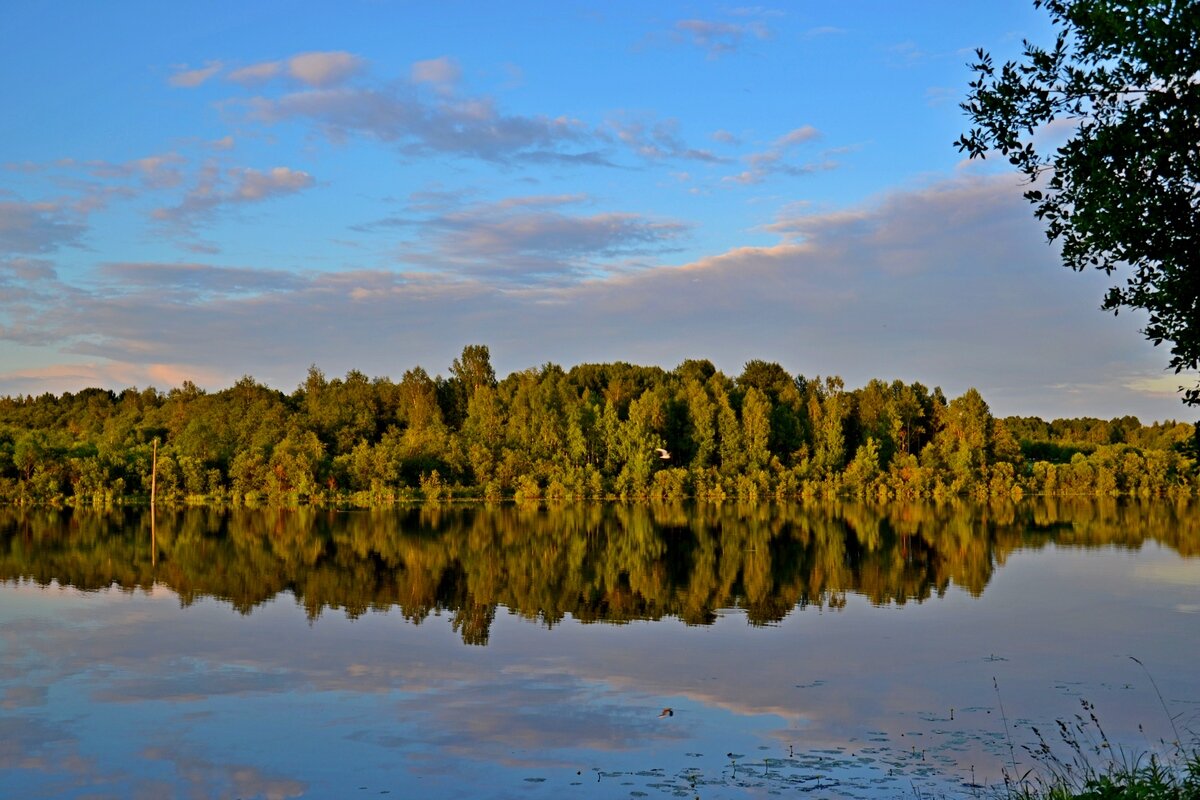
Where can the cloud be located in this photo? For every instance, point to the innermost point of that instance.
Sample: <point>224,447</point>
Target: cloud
<point>197,277</point>
<point>159,171</point>
<point>720,38</point>
<point>426,115</point>
<point>321,69</point>
<point>84,187</point>
<point>471,127</point>
<point>442,73</point>
<point>318,69</point>
<point>38,227</point>
<point>256,73</point>
<point>656,140</point>
<point>949,283</point>
<point>191,78</point>
<point>772,161</point>
<point>70,377</point>
<point>215,190</point>
<point>528,240</point>
<point>906,54</point>
<point>26,271</point>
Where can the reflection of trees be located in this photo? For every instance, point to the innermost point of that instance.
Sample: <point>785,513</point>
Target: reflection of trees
<point>595,562</point>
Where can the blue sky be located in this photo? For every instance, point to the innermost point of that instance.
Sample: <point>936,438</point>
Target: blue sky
<point>206,190</point>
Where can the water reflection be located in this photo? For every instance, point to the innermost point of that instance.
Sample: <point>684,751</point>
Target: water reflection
<point>593,562</point>
<point>793,645</point>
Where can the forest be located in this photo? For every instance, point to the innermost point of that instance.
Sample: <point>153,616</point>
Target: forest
<point>595,431</point>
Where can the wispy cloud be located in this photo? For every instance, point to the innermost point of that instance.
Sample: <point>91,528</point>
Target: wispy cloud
<point>471,127</point>
<point>823,30</point>
<point>442,73</point>
<point>195,278</point>
<point>189,78</point>
<point>37,227</point>
<point>905,54</point>
<point>658,139</point>
<point>774,160</point>
<point>320,69</point>
<point>720,38</point>
<point>529,240</point>
<point>160,171</point>
<point>216,189</point>
<point>949,284</point>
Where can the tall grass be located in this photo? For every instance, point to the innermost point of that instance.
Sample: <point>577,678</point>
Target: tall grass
<point>1085,765</point>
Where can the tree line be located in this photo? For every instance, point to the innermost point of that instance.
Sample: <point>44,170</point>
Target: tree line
<point>593,431</point>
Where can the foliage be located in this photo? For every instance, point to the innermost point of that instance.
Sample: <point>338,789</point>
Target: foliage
<point>593,431</point>
<point>1121,192</point>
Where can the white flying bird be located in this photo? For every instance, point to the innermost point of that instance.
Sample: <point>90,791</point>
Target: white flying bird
<point>663,454</point>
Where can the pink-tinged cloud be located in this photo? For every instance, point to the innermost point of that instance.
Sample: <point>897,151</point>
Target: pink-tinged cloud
<point>657,139</point>
<point>256,73</point>
<point>527,240</point>
<point>191,78</point>
<point>319,69</point>
<point>323,69</point>
<point>775,159</point>
<point>215,190</point>
<point>442,73</point>
<point>254,185</point>
<point>950,284</point>
<point>159,171</point>
<point>70,377</point>
<point>193,277</point>
<point>37,227</point>
<point>471,127</point>
<point>806,133</point>
<point>25,271</point>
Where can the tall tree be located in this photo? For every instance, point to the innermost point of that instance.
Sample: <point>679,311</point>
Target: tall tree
<point>470,371</point>
<point>1122,191</point>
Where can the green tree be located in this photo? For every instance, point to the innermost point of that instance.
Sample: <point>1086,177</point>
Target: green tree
<point>469,372</point>
<point>1122,190</point>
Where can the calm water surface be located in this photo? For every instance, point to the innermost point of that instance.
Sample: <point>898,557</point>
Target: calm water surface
<point>837,651</point>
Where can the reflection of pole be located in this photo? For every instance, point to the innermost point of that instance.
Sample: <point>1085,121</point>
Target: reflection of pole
<point>153,494</point>
<point>153,474</point>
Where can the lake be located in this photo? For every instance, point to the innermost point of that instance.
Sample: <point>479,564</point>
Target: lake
<point>589,650</point>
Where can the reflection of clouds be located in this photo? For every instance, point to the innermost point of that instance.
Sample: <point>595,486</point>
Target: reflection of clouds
<point>491,717</point>
<point>194,681</point>
<point>1171,573</point>
<point>22,696</point>
<point>876,683</point>
<point>204,778</point>
<point>49,751</point>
